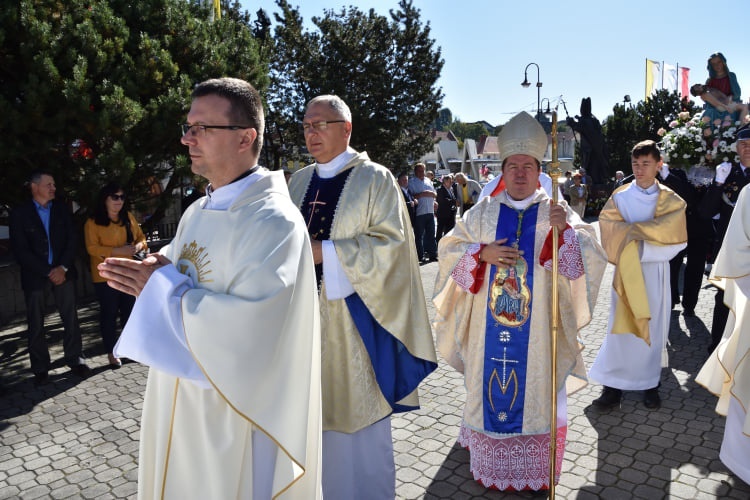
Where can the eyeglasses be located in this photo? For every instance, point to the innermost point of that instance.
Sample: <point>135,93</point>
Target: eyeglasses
<point>318,126</point>
<point>195,130</point>
<point>117,197</point>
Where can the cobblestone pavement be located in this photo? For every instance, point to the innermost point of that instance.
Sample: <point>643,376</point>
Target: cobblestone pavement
<point>79,439</point>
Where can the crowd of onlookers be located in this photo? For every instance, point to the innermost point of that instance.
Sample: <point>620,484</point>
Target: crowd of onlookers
<point>433,204</point>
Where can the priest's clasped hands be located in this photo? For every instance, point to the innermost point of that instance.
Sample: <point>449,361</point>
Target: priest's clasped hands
<point>499,254</point>
<point>130,276</point>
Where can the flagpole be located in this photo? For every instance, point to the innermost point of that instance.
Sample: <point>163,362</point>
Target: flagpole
<point>663,70</point>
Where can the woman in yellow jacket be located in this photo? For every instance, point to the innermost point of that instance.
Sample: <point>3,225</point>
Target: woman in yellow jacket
<point>112,231</point>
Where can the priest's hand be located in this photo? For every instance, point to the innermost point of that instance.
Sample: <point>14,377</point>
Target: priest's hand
<point>499,254</point>
<point>130,276</point>
<point>317,251</point>
<point>557,216</point>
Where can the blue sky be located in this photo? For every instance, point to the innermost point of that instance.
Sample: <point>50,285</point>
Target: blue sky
<point>588,48</point>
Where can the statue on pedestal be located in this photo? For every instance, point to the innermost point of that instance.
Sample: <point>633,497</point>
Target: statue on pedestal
<point>593,147</point>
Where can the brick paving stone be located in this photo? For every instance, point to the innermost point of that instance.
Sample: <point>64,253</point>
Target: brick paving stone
<point>65,491</point>
<point>33,492</point>
<point>9,491</point>
<point>89,430</point>
<point>49,477</point>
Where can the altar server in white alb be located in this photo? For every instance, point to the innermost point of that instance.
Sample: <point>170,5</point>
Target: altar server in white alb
<point>377,342</point>
<point>227,320</point>
<point>643,227</point>
<point>727,371</point>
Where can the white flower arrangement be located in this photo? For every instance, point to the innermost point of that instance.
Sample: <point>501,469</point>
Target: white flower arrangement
<point>698,141</point>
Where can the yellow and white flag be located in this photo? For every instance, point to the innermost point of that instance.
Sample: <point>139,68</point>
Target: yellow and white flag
<point>653,76</point>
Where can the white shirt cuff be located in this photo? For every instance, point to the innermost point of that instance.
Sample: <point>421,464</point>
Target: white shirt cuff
<point>338,285</point>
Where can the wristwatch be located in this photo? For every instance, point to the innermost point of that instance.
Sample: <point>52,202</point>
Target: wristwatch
<point>65,269</point>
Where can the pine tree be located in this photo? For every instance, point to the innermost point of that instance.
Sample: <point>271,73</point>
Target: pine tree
<point>385,69</point>
<point>94,90</point>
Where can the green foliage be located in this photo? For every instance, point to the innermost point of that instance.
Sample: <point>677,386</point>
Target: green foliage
<point>620,135</point>
<point>658,111</point>
<point>385,69</point>
<point>629,125</point>
<point>465,131</point>
<point>94,90</point>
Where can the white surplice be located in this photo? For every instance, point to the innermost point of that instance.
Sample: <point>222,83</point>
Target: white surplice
<point>232,335</point>
<point>625,361</point>
<point>726,373</point>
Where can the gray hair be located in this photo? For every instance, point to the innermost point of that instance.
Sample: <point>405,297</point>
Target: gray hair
<point>336,103</point>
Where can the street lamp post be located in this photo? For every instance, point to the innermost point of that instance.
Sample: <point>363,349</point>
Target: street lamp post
<point>547,112</point>
<point>526,84</point>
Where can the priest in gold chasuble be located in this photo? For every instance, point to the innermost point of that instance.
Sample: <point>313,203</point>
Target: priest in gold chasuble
<point>377,344</point>
<point>492,299</point>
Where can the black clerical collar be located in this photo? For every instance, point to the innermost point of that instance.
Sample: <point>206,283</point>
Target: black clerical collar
<point>210,189</point>
<point>245,174</point>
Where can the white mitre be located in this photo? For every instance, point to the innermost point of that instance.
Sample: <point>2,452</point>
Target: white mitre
<point>522,135</point>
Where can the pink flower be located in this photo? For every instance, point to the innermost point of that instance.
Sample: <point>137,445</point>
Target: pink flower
<point>717,122</point>
<point>673,124</point>
<point>661,132</point>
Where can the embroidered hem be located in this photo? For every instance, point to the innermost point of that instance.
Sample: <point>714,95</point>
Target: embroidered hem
<point>463,273</point>
<point>513,463</point>
<point>570,258</point>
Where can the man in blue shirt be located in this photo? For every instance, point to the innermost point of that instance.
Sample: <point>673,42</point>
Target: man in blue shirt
<point>43,241</point>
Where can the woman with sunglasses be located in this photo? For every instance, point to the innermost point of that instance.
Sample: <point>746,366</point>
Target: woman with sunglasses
<point>112,231</point>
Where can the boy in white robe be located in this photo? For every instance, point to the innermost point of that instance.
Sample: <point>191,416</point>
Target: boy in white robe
<point>642,227</point>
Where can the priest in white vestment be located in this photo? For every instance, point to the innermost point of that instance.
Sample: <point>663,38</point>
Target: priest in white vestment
<point>642,227</point>
<point>227,320</point>
<point>493,315</point>
<point>376,339</point>
<point>726,373</point>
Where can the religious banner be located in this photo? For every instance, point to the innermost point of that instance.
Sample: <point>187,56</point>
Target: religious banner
<point>653,76</point>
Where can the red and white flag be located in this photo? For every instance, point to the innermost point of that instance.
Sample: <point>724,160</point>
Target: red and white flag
<point>685,81</point>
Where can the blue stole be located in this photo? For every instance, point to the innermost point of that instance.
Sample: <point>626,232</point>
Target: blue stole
<point>397,371</point>
<point>509,309</point>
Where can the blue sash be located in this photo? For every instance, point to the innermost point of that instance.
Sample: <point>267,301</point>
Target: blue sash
<point>508,322</point>
<point>397,371</point>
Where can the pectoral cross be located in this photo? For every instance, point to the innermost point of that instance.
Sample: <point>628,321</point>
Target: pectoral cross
<point>504,360</point>
<point>312,210</point>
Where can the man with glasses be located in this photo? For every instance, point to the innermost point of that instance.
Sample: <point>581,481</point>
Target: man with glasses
<point>227,319</point>
<point>377,342</point>
<point>44,243</point>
